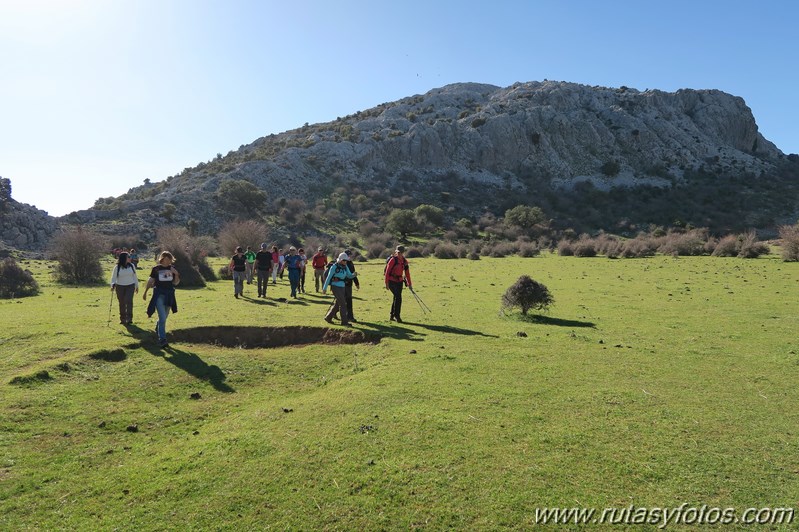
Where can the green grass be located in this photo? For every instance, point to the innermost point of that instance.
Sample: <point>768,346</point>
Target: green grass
<point>651,382</point>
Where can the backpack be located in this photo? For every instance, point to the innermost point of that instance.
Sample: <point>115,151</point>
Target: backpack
<point>391,270</point>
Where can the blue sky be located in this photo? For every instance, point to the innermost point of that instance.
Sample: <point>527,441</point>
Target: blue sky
<point>96,96</point>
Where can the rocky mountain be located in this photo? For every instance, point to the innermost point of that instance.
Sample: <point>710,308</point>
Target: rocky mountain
<point>476,147</point>
<point>21,225</point>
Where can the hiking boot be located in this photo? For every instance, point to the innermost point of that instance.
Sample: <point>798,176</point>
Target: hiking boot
<point>163,343</point>
<point>397,319</point>
<point>353,320</point>
<point>236,296</point>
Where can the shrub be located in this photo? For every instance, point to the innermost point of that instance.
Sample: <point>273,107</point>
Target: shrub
<point>565,248</point>
<point>637,247</point>
<point>16,282</point>
<point>247,233</point>
<point>374,251</point>
<point>584,248</point>
<point>176,240</point>
<point>684,244</point>
<point>413,253</point>
<point>524,216</point>
<point>224,273</point>
<point>528,249</point>
<point>610,168</point>
<point>790,242</point>
<point>240,197</point>
<point>749,247</point>
<point>726,247</point>
<point>473,255</point>
<point>527,294</point>
<point>445,250</point>
<point>78,253</point>
<point>401,222</point>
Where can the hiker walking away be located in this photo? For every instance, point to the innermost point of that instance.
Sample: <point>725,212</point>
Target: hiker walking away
<point>134,258</point>
<point>397,274</point>
<point>318,263</point>
<point>125,281</point>
<point>263,266</point>
<point>301,286</point>
<point>238,267</point>
<point>293,263</point>
<point>163,278</point>
<point>348,286</point>
<point>275,264</point>
<point>336,277</point>
<point>281,259</point>
<point>249,255</point>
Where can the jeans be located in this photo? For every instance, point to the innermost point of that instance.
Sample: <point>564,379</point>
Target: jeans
<point>163,312</point>
<point>302,280</point>
<point>294,279</point>
<point>238,282</point>
<point>263,281</point>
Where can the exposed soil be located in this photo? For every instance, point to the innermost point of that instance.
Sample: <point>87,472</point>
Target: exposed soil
<point>260,337</point>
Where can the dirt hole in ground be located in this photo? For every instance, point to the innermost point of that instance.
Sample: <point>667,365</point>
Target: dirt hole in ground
<point>260,337</point>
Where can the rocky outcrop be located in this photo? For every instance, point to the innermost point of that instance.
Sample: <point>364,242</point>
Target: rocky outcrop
<point>25,227</point>
<point>486,138</point>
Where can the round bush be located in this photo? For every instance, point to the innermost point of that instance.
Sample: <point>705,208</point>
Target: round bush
<point>527,294</point>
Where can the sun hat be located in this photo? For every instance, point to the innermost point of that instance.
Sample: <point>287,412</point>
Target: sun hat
<point>343,257</point>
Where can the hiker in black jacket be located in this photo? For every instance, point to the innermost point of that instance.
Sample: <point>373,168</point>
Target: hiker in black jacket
<point>263,267</point>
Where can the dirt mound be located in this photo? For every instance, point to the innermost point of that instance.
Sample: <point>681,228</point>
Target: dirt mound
<point>260,337</point>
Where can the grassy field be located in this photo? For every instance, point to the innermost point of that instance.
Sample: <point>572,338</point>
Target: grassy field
<point>651,382</point>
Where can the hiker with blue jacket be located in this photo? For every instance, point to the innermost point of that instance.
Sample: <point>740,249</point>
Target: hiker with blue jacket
<point>336,280</point>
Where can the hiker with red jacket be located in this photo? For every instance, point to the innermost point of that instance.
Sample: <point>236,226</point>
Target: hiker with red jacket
<point>397,274</point>
<point>319,262</point>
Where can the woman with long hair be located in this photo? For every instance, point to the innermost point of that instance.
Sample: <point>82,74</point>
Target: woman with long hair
<point>126,283</point>
<point>163,278</point>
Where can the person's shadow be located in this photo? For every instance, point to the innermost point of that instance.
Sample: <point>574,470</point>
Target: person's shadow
<point>449,329</point>
<point>188,362</point>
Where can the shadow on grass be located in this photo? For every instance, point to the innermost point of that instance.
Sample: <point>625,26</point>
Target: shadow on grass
<point>448,329</point>
<point>188,362</point>
<point>398,332</point>
<point>257,301</point>
<point>546,320</point>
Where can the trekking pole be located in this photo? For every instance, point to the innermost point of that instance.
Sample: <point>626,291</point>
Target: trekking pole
<point>419,300</point>
<point>110,304</point>
<point>425,308</point>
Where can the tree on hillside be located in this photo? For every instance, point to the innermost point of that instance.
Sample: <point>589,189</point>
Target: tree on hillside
<point>524,216</point>
<point>238,196</point>
<point>429,215</point>
<point>5,193</point>
<point>401,222</point>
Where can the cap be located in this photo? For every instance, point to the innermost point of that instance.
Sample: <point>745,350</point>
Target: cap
<point>401,248</point>
<point>319,248</point>
<point>263,246</point>
<point>344,257</point>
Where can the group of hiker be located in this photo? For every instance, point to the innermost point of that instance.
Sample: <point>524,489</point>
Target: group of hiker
<point>338,275</point>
